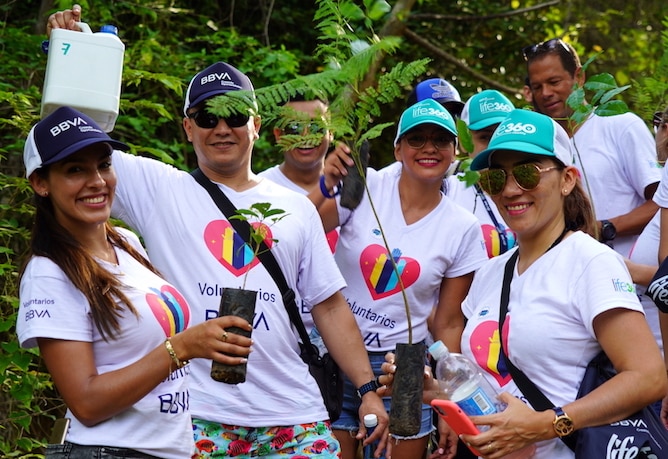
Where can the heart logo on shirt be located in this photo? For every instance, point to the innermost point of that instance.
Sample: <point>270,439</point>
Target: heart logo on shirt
<point>379,275</point>
<point>230,249</point>
<point>170,308</point>
<point>486,348</point>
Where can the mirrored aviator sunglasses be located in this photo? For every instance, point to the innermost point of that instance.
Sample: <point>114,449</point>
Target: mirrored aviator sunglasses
<point>529,52</point>
<point>207,120</point>
<point>527,177</point>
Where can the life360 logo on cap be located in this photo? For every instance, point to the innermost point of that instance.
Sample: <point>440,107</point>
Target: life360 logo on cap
<point>516,128</point>
<point>428,111</point>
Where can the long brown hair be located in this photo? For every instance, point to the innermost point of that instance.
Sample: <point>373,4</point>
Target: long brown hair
<point>100,287</point>
<point>578,211</point>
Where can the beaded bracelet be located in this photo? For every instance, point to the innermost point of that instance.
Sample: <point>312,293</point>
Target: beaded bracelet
<point>172,354</point>
<point>325,192</point>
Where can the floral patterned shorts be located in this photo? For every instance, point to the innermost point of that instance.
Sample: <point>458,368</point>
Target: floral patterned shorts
<point>303,441</point>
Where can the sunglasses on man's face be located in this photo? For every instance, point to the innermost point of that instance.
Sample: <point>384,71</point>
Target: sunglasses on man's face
<point>207,120</point>
<point>657,119</point>
<point>297,128</point>
<point>531,51</point>
<point>527,177</point>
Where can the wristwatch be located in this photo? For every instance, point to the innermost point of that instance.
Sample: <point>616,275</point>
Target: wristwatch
<point>368,387</point>
<point>563,424</point>
<point>608,231</point>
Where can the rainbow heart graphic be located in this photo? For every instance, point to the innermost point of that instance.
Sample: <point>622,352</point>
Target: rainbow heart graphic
<point>493,242</point>
<point>486,349</point>
<point>379,275</point>
<point>230,249</point>
<point>170,308</point>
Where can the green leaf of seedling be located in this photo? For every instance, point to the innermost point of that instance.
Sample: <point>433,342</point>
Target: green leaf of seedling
<point>464,135</point>
<point>601,81</point>
<point>614,107</point>
<point>610,94</point>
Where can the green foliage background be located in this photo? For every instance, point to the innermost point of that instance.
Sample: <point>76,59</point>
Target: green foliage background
<point>473,43</point>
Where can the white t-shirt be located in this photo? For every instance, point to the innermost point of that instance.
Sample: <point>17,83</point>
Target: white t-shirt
<point>661,195</point>
<point>184,232</point>
<point>277,176</point>
<point>447,242</point>
<point>617,158</point>
<point>52,307</point>
<point>548,332</point>
<point>646,251</point>
<point>480,204</point>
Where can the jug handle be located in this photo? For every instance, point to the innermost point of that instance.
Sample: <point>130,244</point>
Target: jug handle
<point>85,28</point>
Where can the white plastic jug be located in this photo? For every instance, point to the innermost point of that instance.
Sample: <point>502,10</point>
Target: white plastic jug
<point>84,71</point>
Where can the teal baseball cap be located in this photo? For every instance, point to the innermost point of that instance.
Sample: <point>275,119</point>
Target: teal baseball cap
<point>527,132</point>
<point>485,109</point>
<point>427,111</point>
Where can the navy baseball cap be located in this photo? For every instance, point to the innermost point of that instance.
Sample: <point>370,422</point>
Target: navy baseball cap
<point>62,133</point>
<point>214,80</point>
<point>442,91</point>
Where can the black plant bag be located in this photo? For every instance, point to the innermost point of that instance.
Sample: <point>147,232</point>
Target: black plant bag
<point>329,377</point>
<point>640,436</point>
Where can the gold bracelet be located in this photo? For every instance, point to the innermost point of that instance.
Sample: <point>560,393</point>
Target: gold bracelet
<point>172,354</point>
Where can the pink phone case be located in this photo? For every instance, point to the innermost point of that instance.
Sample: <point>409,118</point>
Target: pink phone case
<point>456,419</point>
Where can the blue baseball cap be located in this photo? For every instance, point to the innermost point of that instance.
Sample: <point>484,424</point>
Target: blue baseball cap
<point>214,80</point>
<point>426,112</point>
<point>485,109</point>
<point>60,134</point>
<point>442,91</point>
<point>527,132</point>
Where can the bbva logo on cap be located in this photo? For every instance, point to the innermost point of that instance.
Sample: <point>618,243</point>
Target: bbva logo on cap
<point>224,78</point>
<point>67,124</point>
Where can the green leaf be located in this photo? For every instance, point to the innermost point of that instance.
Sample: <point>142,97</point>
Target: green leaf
<point>614,107</point>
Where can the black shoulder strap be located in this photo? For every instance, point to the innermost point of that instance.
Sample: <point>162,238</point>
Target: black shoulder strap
<point>537,398</point>
<point>266,257</point>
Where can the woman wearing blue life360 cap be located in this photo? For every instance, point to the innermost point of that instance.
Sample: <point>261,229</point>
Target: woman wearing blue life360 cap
<point>570,298</point>
<point>436,244</point>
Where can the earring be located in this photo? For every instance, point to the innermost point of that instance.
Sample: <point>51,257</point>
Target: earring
<point>565,191</point>
<point>45,194</point>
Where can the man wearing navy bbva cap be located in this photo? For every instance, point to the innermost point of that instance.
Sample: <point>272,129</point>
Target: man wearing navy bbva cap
<point>442,91</point>
<point>193,244</point>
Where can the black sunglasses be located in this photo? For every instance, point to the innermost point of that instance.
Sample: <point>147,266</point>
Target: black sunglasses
<point>440,142</point>
<point>657,119</point>
<point>207,120</point>
<point>527,177</point>
<point>531,51</point>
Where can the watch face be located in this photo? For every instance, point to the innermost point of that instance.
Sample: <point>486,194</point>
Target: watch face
<point>563,426</point>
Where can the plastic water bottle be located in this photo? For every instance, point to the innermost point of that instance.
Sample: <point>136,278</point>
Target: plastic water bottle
<point>370,422</point>
<point>463,383</point>
<point>84,71</point>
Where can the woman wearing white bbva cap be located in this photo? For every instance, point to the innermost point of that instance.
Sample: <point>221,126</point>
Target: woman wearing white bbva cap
<point>436,244</point>
<point>570,298</point>
<point>102,317</point>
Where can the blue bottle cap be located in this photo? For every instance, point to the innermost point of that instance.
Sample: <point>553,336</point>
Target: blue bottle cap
<point>109,28</point>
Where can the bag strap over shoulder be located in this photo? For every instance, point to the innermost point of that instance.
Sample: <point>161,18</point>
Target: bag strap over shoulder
<point>265,255</point>
<point>535,396</point>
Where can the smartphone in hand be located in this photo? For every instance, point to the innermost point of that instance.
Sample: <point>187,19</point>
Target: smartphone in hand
<point>456,419</point>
